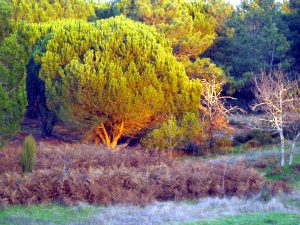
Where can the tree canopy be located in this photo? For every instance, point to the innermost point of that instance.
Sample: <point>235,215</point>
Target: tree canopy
<point>33,11</point>
<point>129,65</point>
<point>114,78</point>
<point>12,86</point>
<point>258,41</point>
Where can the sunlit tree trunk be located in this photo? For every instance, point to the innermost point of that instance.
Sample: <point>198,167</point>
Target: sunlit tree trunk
<point>110,140</point>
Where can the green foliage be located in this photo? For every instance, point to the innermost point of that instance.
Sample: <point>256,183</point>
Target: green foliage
<point>12,87</point>
<point>105,10</point>
<point>172,134</point>
<point>255,136</point>
<point>204,69</point>
<point>33,11</point>
<point>115,76</point>
<point>187,24</point>
<point>191,26</point>
<point>28,155</point>
<point>5,19</point>
<point>259,41</point>
<point>292,18</point>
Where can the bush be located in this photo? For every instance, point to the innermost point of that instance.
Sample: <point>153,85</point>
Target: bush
<point>253,143</point>
<point>263,138</point>
<point>133,176</point>
<point>258,136</point>
<point>192,148</point>
<point>173,134</point>
<point>223,145</point>
<point>29,154</point>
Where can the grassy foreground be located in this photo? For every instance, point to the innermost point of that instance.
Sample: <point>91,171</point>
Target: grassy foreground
<point>58,214</point>
<point>253,219</point>
<point>45,214</point>
<point>290,173</point>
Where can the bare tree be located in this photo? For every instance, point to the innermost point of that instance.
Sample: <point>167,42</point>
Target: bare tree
<point>213,110</point>
<point>275,97</point>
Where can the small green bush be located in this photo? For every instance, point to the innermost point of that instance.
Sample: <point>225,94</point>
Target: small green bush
<point>173,134</point>
<point>29,154</point>
<point>258,136</point>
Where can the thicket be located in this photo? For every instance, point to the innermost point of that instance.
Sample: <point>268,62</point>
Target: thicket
<point>85,173</point>
<point>172,50</point>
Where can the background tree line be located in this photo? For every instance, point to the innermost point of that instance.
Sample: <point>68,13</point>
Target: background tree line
<point>61,57</point>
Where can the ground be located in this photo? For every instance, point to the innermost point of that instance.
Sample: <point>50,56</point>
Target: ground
<point>129,172</point>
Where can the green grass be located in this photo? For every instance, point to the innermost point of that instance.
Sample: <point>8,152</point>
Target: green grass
<point>41,214</point>
<point>253,219</point>
<point>288,173</point>
<point>241,148</point>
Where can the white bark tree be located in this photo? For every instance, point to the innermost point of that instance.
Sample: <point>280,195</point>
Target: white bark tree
<point>276,97</point>
<point>295,125</point>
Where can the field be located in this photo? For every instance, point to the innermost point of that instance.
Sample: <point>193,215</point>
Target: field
<point>253,219</point>
<point>75,183</point>
<point>87,173</point>
<point>85,184</point>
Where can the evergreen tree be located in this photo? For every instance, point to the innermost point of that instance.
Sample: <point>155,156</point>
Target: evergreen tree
<point>33,11</point>
<point>12,87</point>
<point>292,18</point>
<point>191,26</point>
<point>5,19</point>
<point>114,78</point>
<point>258,41</point>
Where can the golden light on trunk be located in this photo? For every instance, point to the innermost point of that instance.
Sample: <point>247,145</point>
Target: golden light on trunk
<point>110,141</point>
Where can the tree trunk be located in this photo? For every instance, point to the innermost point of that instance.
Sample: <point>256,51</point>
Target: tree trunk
<point>110,142</point>
<point>282,161</point>
<point>293,149</point>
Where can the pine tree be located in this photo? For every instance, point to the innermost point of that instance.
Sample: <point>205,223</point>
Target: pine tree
<point>114,78</point>
<point>257,40</point>
<point>33,11</point>
<point>12,87</point>
<point>5,19</point>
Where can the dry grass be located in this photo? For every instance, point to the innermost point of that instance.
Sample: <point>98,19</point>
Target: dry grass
<point>88,173</point>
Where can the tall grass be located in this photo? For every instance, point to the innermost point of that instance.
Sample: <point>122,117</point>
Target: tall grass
<point>28,155</point>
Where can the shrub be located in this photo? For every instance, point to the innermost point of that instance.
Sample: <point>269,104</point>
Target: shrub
<point>253,143</point>
<point>258,136</point>
<point>29,154</point>
<point>239,139</point>
<point>173,134</point>
<point>134,176</point>
<point>223,145</point>
<point>263,138</point>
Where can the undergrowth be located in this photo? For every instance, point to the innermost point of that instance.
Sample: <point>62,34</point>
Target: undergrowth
<point>87,173</point>
<point>289,173</point>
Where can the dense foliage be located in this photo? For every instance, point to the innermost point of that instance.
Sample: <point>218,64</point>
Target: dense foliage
<point>259,41</point>
<point>115,81</point>
<point>12,86</point>
<point>128,66</point>
<point>33,11</point>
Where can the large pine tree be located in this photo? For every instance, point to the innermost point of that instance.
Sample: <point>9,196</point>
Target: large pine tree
<point>114,78</point>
